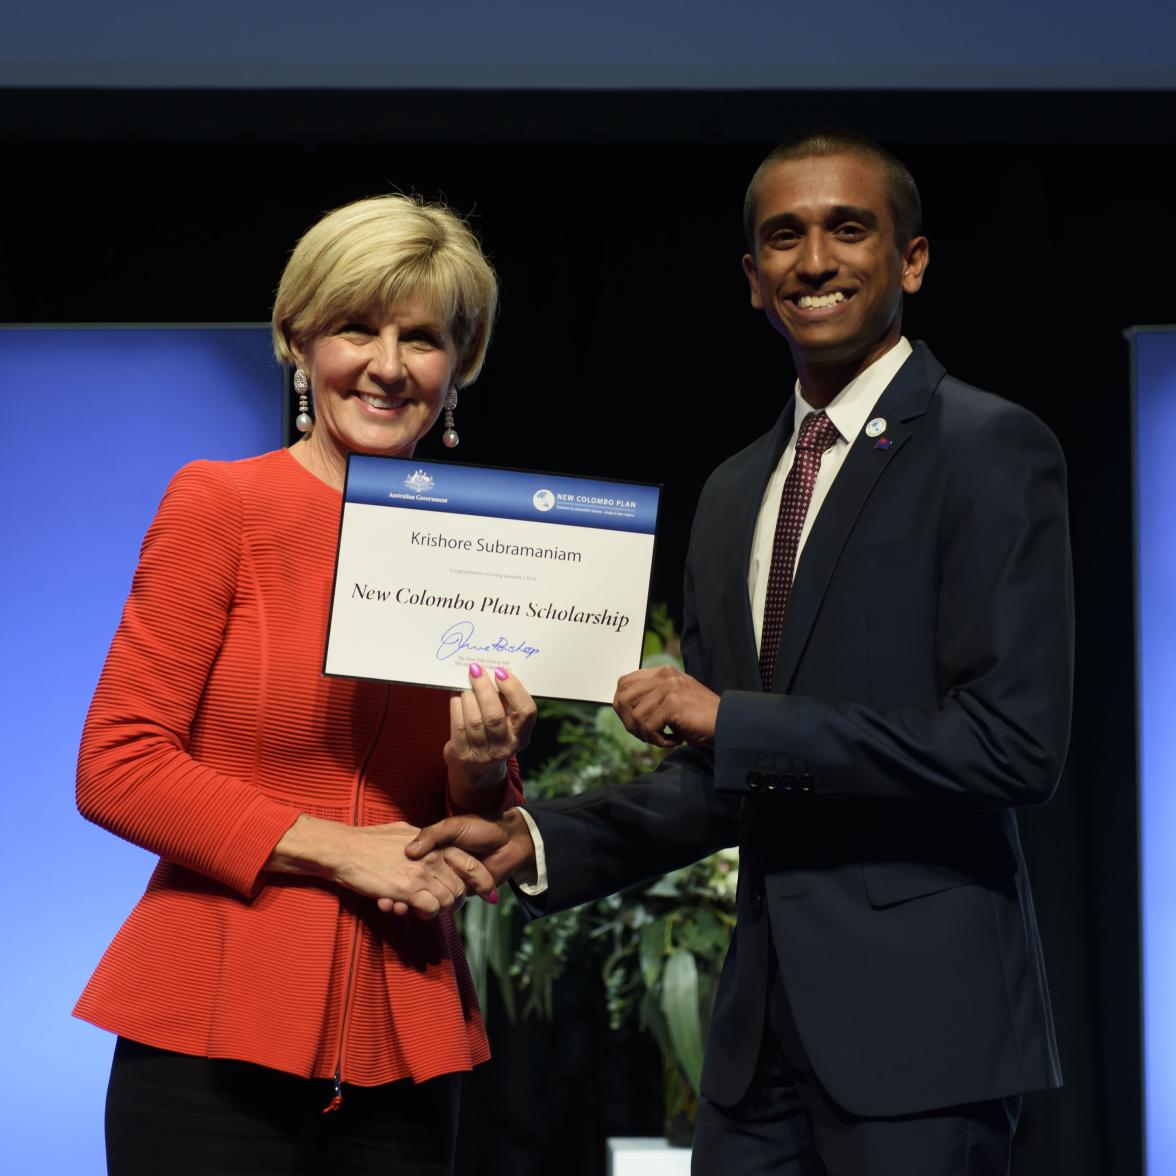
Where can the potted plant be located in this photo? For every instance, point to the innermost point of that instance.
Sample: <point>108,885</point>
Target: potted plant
<point>658,948</point>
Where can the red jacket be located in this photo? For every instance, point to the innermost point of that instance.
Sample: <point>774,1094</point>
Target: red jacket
<point>211,729</point>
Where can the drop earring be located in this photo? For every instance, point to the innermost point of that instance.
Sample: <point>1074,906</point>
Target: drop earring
<point>450,438</point>
<point>303,421</point>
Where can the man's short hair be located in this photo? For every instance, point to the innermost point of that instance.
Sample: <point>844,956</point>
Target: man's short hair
<point>905,205</point>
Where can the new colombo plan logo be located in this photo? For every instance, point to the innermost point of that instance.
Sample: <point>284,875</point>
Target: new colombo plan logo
<point>418,482</point>
<point>543,499</point>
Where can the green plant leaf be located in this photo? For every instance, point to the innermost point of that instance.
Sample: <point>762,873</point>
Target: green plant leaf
<point>474,931</point>
<point>661,659</point>
<point>499,924</point>
<point>651,645</point>
<point>679,1003</point>
<point>703,933</point>
<point>551,709</point>
<point>651,951</point>
<point>671,885</point>
<point>661,623</point>
<point>610,726</point>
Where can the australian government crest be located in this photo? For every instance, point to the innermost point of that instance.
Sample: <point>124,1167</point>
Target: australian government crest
<point>419,482</point>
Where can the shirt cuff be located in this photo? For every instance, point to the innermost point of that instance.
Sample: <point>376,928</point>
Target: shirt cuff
<point>533,882</point>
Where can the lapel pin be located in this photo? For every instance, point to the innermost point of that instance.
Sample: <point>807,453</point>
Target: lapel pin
<point>876,427</point>
<point>883,443</point>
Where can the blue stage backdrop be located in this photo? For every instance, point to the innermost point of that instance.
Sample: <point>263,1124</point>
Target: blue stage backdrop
<point>610,44</point>
<point>1154,367</point>
<point>96,420</point>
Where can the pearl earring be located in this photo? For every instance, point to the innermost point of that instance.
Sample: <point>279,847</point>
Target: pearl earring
<point>304,420</point>
<point>450,438</point>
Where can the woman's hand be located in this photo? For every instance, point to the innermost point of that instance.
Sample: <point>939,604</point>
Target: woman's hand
<point>488,724</point>
<point>370,860</point>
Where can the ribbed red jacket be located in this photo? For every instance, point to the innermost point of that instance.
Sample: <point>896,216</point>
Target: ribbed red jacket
<point>211,729</point>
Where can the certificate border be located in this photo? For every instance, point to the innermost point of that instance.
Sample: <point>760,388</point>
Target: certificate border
<point>658,486</point>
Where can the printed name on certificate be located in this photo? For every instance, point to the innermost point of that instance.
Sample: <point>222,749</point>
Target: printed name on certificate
<point>442,565</point>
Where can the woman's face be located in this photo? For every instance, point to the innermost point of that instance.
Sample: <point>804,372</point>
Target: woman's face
<point>379,381</point>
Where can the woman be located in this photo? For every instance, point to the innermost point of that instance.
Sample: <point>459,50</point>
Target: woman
<point>257,984</point>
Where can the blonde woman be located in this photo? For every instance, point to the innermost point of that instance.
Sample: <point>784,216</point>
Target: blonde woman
<point>270,1017</point>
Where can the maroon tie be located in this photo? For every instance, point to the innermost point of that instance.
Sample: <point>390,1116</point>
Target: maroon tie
<point>817,433</point>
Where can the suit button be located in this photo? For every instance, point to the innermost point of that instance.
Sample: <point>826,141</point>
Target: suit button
<point>806,782</point>
<point>755,900</point>
<point>755,780</point>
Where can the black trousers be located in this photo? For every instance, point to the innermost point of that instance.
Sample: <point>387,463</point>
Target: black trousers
<point>189,1116</point>
<point>789,1126</point>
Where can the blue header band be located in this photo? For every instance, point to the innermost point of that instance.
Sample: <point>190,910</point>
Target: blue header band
<point>502,494</point>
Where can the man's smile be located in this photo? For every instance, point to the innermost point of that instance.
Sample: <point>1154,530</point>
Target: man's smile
<point>819,305</point>
<point>819,301</point>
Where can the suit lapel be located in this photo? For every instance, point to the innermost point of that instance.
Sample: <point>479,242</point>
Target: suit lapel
<point>736,606</point>
<point>905,398</point>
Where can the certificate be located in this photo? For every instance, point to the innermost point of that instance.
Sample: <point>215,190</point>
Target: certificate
<point>442,565</point>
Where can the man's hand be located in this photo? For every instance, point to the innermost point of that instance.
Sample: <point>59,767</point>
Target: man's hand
<point>503,844</point>
<point>666,707</point>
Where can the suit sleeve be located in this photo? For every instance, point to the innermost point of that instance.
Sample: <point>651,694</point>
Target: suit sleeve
<point>135,774</point>
<point>996,736</point>
<point>613,838</point>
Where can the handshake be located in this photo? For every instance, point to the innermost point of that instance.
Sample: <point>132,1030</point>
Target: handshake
<point>479,852</point>
<point>406,869</point>
<point>425,871</point>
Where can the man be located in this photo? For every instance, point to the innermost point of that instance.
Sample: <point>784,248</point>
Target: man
<point>877,639</point>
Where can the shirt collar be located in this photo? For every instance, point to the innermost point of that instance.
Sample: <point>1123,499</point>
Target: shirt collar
<point>850,408</point>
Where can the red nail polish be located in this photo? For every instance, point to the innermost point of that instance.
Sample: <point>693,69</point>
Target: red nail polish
<point>501,674</point>
<point>475,670</point>
<point>492,897</point>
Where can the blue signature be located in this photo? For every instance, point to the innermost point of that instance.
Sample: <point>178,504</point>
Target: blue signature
<point>460,637</point>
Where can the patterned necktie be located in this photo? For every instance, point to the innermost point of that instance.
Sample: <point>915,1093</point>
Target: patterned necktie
<point>817,433</point>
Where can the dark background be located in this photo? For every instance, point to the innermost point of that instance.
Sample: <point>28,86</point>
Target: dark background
<point>626,347</point>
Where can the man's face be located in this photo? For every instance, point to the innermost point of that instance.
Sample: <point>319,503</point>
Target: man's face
<point>827,268</point>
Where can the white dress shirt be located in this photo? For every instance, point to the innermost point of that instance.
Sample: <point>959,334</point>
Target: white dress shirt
<point>849,411</point>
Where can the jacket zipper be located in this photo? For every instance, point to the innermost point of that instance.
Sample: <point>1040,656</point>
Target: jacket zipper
<point>345,1015</point>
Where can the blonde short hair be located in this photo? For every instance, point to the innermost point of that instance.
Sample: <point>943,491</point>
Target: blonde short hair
<point>381,252</point>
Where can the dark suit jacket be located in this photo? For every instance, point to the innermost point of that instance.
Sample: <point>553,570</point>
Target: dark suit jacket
<point>922,694</point>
